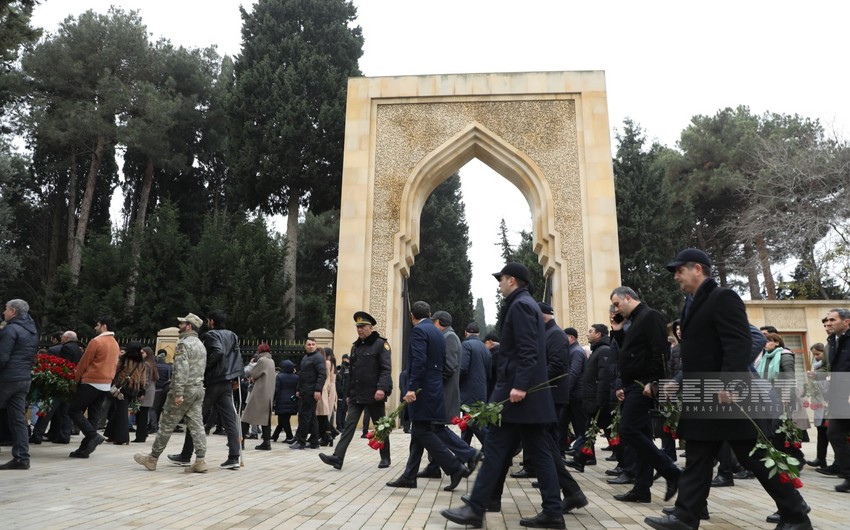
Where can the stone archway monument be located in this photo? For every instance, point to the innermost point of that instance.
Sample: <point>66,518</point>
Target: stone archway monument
<point>547,133</point>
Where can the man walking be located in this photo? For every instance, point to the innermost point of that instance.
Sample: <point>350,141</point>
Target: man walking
<point>311,380</point>
<point>94,375</point>
<point>838,323</point>
<point>18,344</point>
<point>370,381</point>
<point>716,340</point>
<point>642,352</point>
<point>185,398</point>
<point>223,369</point>
<point>521,366</point>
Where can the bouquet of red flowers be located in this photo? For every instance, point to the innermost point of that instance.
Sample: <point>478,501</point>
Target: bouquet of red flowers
<point>384,426</point>
<point>52,378</point>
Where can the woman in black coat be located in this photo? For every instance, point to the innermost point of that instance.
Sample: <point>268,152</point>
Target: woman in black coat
<point>285,403</point>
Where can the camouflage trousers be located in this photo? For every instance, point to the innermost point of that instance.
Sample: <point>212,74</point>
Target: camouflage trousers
<point>193,399</point>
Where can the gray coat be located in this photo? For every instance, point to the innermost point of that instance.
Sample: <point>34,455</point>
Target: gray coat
<point>451,373</point>
<point>258,409</point>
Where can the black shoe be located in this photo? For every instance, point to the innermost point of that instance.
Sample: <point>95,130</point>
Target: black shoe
<point>58,441</point>
<point>265,446</point>
<point>775,518</point>
<point>616,472</point>
<point>178,428</point>
<point>137,441</point>
<point>667,522</point>
<point>632,496</point>
<point>232,462</point>
<point>523,473</point>
<point>475,460</point>
<point>802,525</point>
<point>570,452</point>
<point>179,460</point>
<point>217,431</point>
<point>573,502</point>
<point>492,506</point>
<point>844,487</point>
<point>542,520</point>
<point>575,465</point>
<point>429,474</point>
<point>744,475</point>
<point>363,435</point>
<point>831,471</point>
<point>671,510</point>
<point>90,444</point>
<point>289,441</point>
<point>817,462</point>
<point>612,458</point>
<point>384,463</point>
<point>298,445</point>
<point>331,460</point>
<point>402,482</point>
<point>591,462</point>
<point>722,481</point>
<point>464,515</point>
<point>622,479</point>
<point>672,485</point>
<point>535,484</point>
<point>35,439</point>
<point>312,446</point>
<point>79,453</point>
<point>457,476</point>
<point>252,437</point>
<point>16,463</point>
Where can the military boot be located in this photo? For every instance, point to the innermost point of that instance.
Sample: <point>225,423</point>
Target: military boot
<point>199,466</point>
<point>149,461</point>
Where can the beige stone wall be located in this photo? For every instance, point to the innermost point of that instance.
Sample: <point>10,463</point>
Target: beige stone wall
<point>547,133</point>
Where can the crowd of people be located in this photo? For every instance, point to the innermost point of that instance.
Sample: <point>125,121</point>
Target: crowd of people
<point>555,397</point>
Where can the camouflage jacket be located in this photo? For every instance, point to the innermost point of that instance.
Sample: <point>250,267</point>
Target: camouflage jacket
<point>190,360</point>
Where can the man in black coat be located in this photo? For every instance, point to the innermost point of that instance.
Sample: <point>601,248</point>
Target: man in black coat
<point>838,325</point>
<point>370,381</point>
<point>18,344</point>
<point>474,375</point>
<point>521,367</point>
<point>642,353</point>
<point>311,381</point>
<point>716,343</point>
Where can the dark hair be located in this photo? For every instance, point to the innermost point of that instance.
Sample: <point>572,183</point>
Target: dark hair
<point>109,322</point>
<point>600,328</point>
<point>491,336</point>
<point>329,355</point>
<point>623,292</point>
<point>677,324</point>
<point>775,337</point>
<point>769,329</point>
<point>219,318</point>
<point>150,360</point>
<point>420,310</point>
<point>818,346</point>
<point>133,351</point>
<point>57,335</point>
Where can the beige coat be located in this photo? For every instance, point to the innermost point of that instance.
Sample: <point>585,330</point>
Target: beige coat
<point>258,409</point>
<point>325,406</point>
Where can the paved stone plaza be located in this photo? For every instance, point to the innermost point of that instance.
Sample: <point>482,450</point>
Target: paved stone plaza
<point>290,489</point>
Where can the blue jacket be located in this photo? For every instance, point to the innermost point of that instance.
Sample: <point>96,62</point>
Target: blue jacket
<point>474,370</point>
<point>426,356</point>
<point>521,362</point>
<point>18,345</point>
<point>285,385</point>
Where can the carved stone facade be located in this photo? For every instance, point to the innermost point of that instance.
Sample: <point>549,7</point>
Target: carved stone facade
<point>547,133</point>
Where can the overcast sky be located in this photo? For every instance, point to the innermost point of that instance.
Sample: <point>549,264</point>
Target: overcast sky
<point>665,61</point>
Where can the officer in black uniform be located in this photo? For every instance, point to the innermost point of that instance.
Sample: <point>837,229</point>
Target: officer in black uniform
<point>370,385</point>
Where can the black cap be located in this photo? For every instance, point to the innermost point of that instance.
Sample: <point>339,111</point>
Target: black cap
<point>472,327</point>
<point>517,270</point>
<point>571,331</point>
<point>345,356</point>
<point>545,308</point>
<point>689,255</point>
<point>362,318</point>
<point>444,317</point>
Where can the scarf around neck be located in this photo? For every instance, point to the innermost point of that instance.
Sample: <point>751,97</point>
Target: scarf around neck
<point>770,364</point>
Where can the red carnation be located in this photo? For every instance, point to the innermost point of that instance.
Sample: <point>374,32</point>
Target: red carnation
<point>797,445</point>
<point>467,417</point>
<point>456,420</point>
<point>787,444</point>
<point>614,442</point>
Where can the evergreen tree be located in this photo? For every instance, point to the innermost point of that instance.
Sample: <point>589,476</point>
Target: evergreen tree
<point>522,253</point>
<point>288,109</point>
<point>442,273</point>
<point>317,266</point>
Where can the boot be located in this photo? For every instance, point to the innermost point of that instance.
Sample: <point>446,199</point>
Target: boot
<point>199,466</point>
<point>147,460</point>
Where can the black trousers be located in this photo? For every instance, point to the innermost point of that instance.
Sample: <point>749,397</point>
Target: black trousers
<point>375,410</point>
<point>636,432</point>
<point>423,435</point>
<point>838,431</point>
<point>219,397</point>
<point>454,443</point>
<point>695,482</point>
<point>86,397</point>
<point>282,425</point>
<point>308,423</point>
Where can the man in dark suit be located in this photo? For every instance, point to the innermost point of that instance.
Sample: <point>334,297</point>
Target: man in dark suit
<point>521,367</point>
<point>716,343</point>
<point>427,410</point>
<point>838,324</point>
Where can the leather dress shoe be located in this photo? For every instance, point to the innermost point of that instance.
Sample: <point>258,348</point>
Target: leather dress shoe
<point>671,510</point>
<point>476,459</point>
<point>331,460</point>
<point>831,470</point>
<point>523,473</point>
<point>464,515</point>
<point>384,463</point>
<point>573,502</point>
<point>616,472</point>
<point>612,458</point>
<point>298,446</point>
<point>802,525</point>
<point>622,479</point>
<point>844,487</point>
<point>429,474</point>
<point>16,463</point>
<point>722,481</point>
<point>79,453</point>
<point>590,462</point>
<point>492,506</point>
<point>632,496</point>
<point>667,522</point>
<point>457,476</point>
<point>672,485</point>
<point>578,466</point>
<point>535,484</point>
<point>402,482</point>
<point>543,520</point>
<point>817,462</point>
<point>744,474</point>
<point>775,518</point>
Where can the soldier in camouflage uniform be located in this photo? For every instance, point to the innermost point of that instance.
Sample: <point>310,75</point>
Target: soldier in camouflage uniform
<point>185,397</point>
